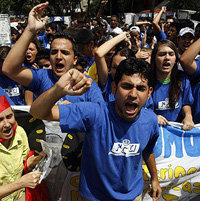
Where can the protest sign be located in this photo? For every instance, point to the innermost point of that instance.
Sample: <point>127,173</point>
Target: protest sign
<point>5,35</point>
<point>177,155</point>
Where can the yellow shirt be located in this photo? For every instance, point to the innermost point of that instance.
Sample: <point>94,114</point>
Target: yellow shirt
<point>11,161</point>
<point>92,72</point>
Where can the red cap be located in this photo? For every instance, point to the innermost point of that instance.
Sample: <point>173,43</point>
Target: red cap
<point>4,104</point>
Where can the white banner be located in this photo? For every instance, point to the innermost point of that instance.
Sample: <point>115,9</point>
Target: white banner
<point>178,164</point>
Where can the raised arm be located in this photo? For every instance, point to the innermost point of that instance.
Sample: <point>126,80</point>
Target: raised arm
<point>102,68</point>
<point>156,20</point>
<point>12,66</point>
<point>71,83</point>
<point>187,58</point>
<point>102,5</point>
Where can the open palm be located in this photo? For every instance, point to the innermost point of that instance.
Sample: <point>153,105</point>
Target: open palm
<point>35,22</point>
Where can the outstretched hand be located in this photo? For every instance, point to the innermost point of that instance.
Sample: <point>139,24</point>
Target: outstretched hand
<point>73,83</point>
<point>35,22</point>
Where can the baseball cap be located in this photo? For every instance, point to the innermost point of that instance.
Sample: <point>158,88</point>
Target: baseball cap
<point>135,28</point>
<point>185,30</point>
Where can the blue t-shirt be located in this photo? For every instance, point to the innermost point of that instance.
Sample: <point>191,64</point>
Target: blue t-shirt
<point>44,79</point>
<point>107,92</point>
<point>112,149</point>
<point>196,94</point>
<point>161,36</point>
<point>2,92</point>
<point>161,99</point>
<point>43,38</point>
<point>14,90</point>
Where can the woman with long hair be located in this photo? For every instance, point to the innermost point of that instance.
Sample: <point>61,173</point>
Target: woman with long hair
<point>172,94</point>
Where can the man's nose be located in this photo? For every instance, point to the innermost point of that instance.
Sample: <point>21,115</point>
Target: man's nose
<point>133,93</point>
<point>6,123</point>
<point>58,55</point>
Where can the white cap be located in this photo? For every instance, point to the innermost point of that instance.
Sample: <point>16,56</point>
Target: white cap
<point>117,30</point>
<point>135,28</point>
<point>185,30</point>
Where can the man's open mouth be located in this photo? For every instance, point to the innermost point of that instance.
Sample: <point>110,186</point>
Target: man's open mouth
<point>7,131</point>
<point>131,107</point>
<point>59,66</point>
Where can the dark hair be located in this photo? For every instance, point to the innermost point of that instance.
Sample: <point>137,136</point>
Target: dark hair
<point>52,25</point>
<point>67,37</point>
<point>124,52</point>
<point>132,66</point>
<point>14,31</point>
<point>81,61</point>
<point>37,44</point>
<point>177,25</point>
<point>115,17</point>
<point>84,36</point>
<point>175,84</point>
<point>4,52</point>
<point>42,54</point>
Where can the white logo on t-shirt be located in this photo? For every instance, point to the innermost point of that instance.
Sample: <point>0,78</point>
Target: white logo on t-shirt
<point>12,91</point>
<point>164,105</point>
<point>125,149</point>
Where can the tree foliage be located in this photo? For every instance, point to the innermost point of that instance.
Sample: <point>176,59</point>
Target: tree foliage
<point>186,4</point>
<point>56,7</point>
<point>22,7</point>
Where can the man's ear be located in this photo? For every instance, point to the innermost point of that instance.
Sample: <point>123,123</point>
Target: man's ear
<point>114,87</point>
<point>150,92</point>
<point>75,60</point>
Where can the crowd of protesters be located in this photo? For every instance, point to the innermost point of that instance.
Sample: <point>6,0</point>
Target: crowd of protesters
<point>49,66</point>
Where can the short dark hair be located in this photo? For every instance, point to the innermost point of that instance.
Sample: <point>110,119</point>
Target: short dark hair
<point>4,52</point>
<point>66,36</point>
<point>115,17</point>
<point>84,36</point>
<point>81,61</point>
<point>177,25</point>
<point>42,54</point>
<point>52,25</point>
<point>132,66</point>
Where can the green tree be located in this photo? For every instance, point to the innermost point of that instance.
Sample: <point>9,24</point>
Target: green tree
<point>186,4</point>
